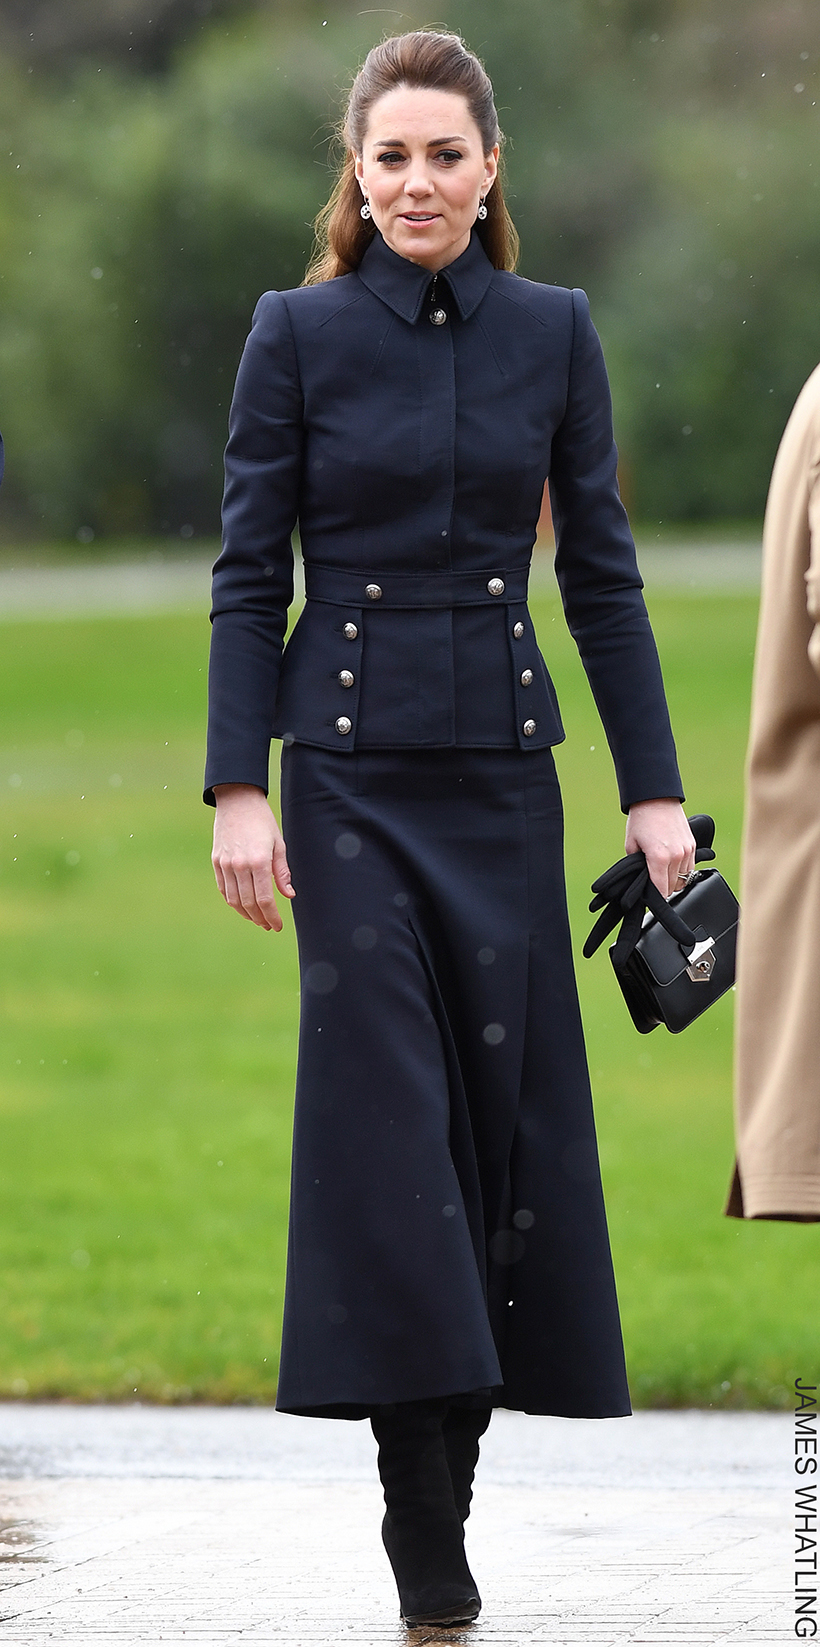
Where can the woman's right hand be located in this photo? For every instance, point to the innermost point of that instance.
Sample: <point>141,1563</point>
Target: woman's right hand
<point>249,854</point>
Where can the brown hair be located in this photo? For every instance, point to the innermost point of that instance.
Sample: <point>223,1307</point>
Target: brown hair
<point>439,62</point>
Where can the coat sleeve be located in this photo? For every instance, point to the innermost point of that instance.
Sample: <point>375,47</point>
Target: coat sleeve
<point>600,584</point>
<point>253,577</point>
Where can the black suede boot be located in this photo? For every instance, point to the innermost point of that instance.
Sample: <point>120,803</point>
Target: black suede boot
<point>462,1429</point>
<point>422,1530</point>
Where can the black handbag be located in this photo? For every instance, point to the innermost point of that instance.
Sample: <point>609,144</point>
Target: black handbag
<point>673,957</point>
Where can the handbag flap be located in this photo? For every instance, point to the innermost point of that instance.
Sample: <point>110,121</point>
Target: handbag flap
<point>710,910</point>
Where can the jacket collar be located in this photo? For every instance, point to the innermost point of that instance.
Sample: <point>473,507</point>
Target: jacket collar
<point>403,285</point>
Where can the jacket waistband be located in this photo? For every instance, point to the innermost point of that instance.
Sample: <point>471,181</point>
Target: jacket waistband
<point>414,589</point>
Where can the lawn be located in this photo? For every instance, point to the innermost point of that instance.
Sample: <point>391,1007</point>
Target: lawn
<point>148,1040</point>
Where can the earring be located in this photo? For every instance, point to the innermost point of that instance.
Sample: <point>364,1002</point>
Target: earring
<point>482,210</point>
<point>364,210</point>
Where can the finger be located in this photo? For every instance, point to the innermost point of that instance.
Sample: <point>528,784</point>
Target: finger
<point>281,870</point>
<point>218,875</point>
<point>661,871</point>
<point>231,893</point>
<point>255,892</point>
<point>264,899</point>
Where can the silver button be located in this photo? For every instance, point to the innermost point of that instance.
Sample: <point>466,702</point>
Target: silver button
<point>495,586</point>
<point>350,631</point>
<point>374,591</point>
<point>438,317</point>
<point>346,679</point>
<point>526,677</point>
<point>518,630</point>
<point>344,725</point>
<point>528,728</point>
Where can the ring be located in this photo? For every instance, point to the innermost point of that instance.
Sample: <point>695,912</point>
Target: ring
<point>685,879</point>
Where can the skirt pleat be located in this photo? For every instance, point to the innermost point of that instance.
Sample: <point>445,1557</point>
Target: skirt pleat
<point>447,1228</point>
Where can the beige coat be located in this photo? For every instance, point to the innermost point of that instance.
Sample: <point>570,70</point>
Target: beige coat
<point>777,1088</point>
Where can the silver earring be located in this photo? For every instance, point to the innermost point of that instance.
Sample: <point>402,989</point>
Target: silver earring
<point>482,210</point>
<point>365,212</point>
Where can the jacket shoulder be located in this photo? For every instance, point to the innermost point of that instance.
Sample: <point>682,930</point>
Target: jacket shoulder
<point>309,304</point>
<point>548,304</point>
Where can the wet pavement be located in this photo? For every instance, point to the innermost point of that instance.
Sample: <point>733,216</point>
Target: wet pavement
<point>196,1525</point>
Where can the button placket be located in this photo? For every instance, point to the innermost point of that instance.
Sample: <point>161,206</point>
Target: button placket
<point>437,429</point>
<point>346,675</point>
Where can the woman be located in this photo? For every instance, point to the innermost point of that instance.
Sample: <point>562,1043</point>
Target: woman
<point>448,1248</point>
<point>777,1024</point>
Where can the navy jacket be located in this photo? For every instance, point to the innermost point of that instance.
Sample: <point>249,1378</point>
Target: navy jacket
<point>408,427</point>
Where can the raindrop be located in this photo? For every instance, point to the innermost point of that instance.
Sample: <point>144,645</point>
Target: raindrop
<point>494,1034</point>
<point>115,780</point>
<point>524,1219</point>
<point>486,956</point>
<point>321,978</point>
<point>365,937</point>
<point>96,274</point>
<point>15,780</point>
<point>72,858</point>
<point>19,1386</point>
<point>448,1212</point>
<point>687,429</point>
<point>85,534</point>
<point>80,1259</point>
<point>348,846</point>
<point>401,900</point>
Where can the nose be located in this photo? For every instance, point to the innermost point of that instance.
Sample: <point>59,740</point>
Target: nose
<point>418,184</point>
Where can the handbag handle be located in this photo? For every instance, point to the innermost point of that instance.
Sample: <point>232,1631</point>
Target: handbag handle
<point>625,891</point>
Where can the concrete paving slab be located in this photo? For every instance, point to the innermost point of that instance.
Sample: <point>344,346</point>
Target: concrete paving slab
<point>133,1525</point>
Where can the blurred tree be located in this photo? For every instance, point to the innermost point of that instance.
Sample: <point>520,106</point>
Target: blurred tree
<point>661,153</point>
<point>139,33</point>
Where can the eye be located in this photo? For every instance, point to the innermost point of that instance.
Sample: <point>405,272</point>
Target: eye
<point>390,158</point>
<point>449,156</point>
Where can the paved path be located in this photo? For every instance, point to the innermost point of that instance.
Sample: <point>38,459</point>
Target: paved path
<point>133,1525</point>
<point>105,589</point>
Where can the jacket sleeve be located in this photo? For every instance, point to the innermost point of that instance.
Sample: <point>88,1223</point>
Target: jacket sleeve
<point>600,584</point>
<point>253,577</point>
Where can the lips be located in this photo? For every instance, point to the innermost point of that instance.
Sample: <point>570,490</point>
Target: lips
<point>419,217</point>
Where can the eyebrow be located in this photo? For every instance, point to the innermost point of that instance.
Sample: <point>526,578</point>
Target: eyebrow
<point>399,143</point>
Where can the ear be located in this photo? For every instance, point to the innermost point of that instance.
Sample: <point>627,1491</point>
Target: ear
<point>490,168</point>
<point>359,168</point>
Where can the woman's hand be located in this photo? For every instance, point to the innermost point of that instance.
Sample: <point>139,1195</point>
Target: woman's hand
<point>248,851</point>
<point>659,829</point>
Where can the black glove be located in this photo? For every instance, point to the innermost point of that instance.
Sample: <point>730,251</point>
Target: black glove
<point>626,891</point>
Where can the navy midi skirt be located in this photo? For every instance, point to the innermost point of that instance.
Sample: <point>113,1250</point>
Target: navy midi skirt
<point>447,1227</point>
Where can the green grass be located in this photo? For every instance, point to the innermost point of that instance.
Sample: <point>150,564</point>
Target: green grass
<point>148,1043</point>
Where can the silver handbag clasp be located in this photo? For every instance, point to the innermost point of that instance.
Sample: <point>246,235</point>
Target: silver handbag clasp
<point>701,961</point>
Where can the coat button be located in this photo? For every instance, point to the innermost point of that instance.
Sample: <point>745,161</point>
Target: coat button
<point>346,679</point>
<point>528,728</point>
<point>373,591</point>
<point>438,317</point>
<point>526,677</point>
<point>518,630</point>
<point>350,631</point>
<point>495,586</point>
<point>343,725</point>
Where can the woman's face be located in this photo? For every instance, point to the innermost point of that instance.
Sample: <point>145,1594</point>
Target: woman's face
<point>423,170</point>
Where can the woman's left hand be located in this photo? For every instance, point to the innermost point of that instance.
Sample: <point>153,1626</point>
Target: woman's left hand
<point>659,829</point>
